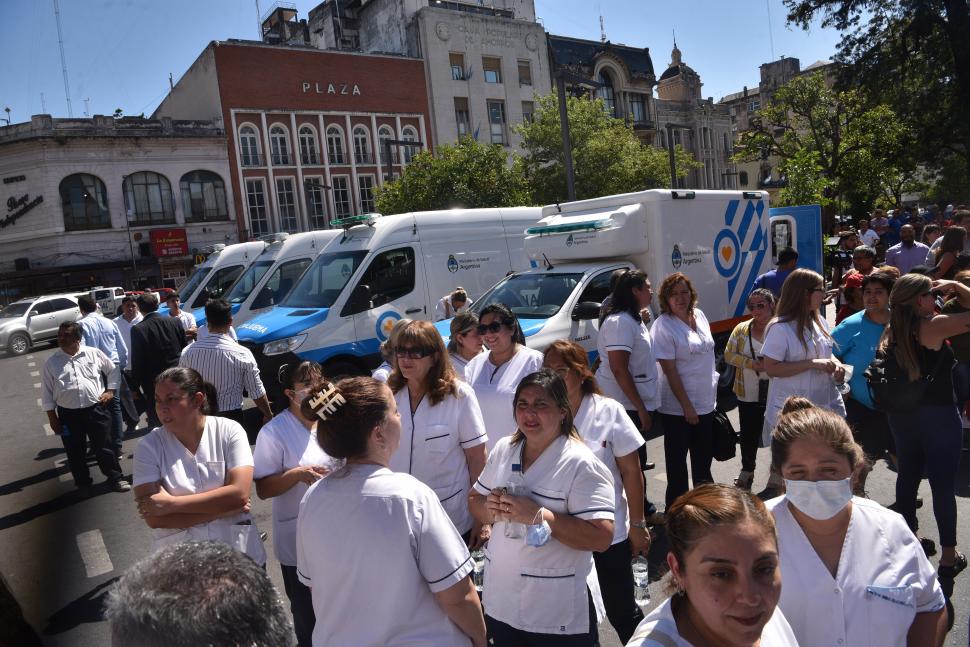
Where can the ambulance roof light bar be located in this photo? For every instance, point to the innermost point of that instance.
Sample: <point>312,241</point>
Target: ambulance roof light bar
<point>564,228</point>
<point>352,221</point>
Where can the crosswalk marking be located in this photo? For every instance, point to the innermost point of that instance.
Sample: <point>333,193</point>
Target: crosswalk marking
<point>94,553</point>
<point>30,357</point>
<point>31,364</point>
<point>40,403</point>
<point>660,477</point>
<point>35,374</point>
<point>47,430</point>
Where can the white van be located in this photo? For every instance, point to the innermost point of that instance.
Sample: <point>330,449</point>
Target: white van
<point>215,276</point>
<point>378,270</point>
<point>108,300</point>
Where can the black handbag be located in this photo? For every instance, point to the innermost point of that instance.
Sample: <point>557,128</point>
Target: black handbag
<point>889,385</point>
<point>725,438</point>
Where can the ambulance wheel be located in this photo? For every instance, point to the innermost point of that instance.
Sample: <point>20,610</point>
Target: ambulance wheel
<point>339,370</point>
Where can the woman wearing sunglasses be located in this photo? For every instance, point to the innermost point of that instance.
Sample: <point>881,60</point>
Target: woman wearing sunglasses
<point>743,351</point>
<point>442,432</point>
<point>496,374</point>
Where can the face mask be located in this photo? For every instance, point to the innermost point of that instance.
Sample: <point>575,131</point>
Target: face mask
<point>819,499</point>
<point>538,534</point>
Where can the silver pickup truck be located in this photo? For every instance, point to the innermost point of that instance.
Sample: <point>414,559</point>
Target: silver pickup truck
<point>27,322</point>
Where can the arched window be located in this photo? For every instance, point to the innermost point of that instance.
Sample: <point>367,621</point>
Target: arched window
<point>148,199</point>
<point>605,92</point>
<point>203,196</point>
<point>85,202</point>
<point>279,145</point>
<point>249,146</point>
<point>409,134</point>
<point>362,146</point>
<point>335,145</point>
<point>385,133</point>
<point>308,145</point>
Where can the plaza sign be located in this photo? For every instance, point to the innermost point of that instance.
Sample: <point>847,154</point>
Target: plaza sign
<point>16,207</point>
<point>332,88</point>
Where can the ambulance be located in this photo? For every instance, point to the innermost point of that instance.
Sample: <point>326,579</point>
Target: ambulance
<point>217,273</point>
<point>379,270</point>
<point>721,240</point>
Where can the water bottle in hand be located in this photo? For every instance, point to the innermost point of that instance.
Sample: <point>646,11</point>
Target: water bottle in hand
<point>516,487</point>
<point>478,575</point>
<point>641,578</point>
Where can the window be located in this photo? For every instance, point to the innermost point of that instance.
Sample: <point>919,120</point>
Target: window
<point>528,110</point>
<point>409,134</point>
<point>638,108</point>
<point>597,289</point>
<point>85,202</point>
<point>249,147</point>
<point>287,205</point>
<point>316,203</point>
<point>203,197</point>
<point>280,283</point>
<point>256,201</point>
<point>335,145</point>
<point>390,276</point>
<point>42,308</point>
<point>324,280</point>
<point>61,305</point>
<point>462,118</point>
<point>362,146</point>
<point>342,205</point>
<point>384,133</point>
<point>743,178</point>
<point>754,104</point>
<point>148,199</point>
<point>247,282</point>
<point>492,68</point>
<point>534,296</point>
<point>663,139</point>
<point>525,73</point>
<point>308,145</point>
<point>365,190</point>
<point>605,92</point>
<point>279,145</point>
<point>496,121</point>
<point>220,281</point>
<point>457,62</point>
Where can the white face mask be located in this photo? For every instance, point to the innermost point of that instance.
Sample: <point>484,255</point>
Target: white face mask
<point>819,499</point>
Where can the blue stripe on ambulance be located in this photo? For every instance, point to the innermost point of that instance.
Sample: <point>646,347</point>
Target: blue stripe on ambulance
<point>280,323</point>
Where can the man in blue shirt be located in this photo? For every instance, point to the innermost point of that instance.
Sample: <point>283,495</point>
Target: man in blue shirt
<point>101,333</point>
<point>774,279</point>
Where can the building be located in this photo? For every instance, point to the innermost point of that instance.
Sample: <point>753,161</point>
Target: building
<point>306,129</point>
<point>484,65</point>
<point>114,202</point>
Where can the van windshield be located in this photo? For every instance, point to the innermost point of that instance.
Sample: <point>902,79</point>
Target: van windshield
<point>323,281</point>
<point>247,282</point>
<point>15,310</point>
<point>531,296</point>
<point>195,279</point>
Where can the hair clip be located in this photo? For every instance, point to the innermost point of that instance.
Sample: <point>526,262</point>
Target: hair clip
<point>281,372</point>
<point>326,402</point>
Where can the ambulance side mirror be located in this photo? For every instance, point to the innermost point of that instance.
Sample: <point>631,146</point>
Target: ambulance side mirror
<point>586,310</point>
<point>360,298</point>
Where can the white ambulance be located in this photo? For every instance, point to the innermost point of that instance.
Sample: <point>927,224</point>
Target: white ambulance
<point>217,273</point>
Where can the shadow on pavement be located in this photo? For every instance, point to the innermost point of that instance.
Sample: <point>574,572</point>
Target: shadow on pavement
<point>40,477</point>
<point>53,505</point>
<point>87,608</point>
<point>48,453</point>
<point>14,627</point>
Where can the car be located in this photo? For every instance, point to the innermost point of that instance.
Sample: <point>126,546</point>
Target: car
<point>28,322</point>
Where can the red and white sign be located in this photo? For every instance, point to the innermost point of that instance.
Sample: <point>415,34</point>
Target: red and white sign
<point>169,242</point>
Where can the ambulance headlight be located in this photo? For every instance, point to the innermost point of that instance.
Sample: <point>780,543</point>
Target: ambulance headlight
<point>286,345</point>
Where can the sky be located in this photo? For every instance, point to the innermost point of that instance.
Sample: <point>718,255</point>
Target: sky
<point>120,53</point>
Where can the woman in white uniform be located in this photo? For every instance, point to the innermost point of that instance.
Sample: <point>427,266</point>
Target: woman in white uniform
<point>496,374</point>
<point>442,432</point>
<point>854,573</point>
<point>384,562</point>
<point>724,575</point>
<point>465,342</point>
<point>452,304</point>
<point>382,372</point>
<point>288,460</point>
<point>535,585</point>
<point>607,430</point>
<point>192,475</point>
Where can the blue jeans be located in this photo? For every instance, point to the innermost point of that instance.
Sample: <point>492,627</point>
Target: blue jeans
<point>117,423</point>
<point>930,436</point>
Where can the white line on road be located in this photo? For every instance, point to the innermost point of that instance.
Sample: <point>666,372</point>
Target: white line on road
<point>36,385</point>
<point>660,477</point>
<point>30,357</point>
<point>65,478</point>
<point>48,431</point>
<point>31,364</point>
<point>35,374</point>
<point>94,553</point>
<point>40,403</point>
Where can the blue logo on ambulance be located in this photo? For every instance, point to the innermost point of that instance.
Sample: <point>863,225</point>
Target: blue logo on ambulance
<point>384,324</point>
<point>452,263</point>
<point>740,249</point>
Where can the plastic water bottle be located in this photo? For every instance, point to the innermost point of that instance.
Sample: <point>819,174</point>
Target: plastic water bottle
<point>478,575</point>
<point>516,487</point>
<point>641,578</point>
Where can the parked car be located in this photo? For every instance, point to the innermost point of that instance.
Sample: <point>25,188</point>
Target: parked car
<point>31,321</point>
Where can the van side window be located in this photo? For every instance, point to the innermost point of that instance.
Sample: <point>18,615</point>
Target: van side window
<point>598,288</point>
<point>781,237</point>
<point>42,308</point>
<point>280,283</point>
<point>62,304</point>
<point>221,281</point>
<point>390,275</point>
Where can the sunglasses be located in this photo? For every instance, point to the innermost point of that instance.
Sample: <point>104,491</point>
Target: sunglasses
<point>816,289</point>
<point>413,353</point>
<point>757,306</point>
<point>493,327</point>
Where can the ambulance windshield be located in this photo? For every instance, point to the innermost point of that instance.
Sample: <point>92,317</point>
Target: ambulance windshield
<point>531,296</point>
<point>323,281</point>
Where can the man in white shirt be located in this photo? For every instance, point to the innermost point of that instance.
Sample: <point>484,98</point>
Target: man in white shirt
<point>187,318</point>
<point>130,317</point>
<point>131,409</point>
<point>103,334</point>
<point>78,385</point>
<point>867,236</point>
<point>225,364</point>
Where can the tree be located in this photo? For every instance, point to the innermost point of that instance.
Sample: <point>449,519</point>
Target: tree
<point>806,183</point>
<point>608,158</point>
<point>467,175</point>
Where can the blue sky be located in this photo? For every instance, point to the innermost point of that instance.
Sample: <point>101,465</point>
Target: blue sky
<point>120,52</point>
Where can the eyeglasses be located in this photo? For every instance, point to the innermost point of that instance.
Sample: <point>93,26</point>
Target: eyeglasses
<point>413,353</point>
<point>493,327</point>
<point>816,289</point>
<point>757,306</point>
<point>562,371</point>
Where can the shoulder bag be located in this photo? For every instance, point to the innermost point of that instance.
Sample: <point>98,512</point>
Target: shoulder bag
<point>889,385</point>
<point>762,383</point>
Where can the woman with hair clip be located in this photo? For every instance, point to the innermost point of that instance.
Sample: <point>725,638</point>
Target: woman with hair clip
<point>607,430</point>
<point>724,575</point>
<point>442,432</point>
<point>452,304</point>
<point>917,337</point>
<point>540,554</point>
<point>383,560</point>
<point>288,459</point>
<point>465,342</point>
<point>854,573</point>
<point>496,374</point>
<point>193,474</point>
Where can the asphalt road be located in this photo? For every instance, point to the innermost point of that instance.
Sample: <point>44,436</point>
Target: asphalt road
<point>59,555</point>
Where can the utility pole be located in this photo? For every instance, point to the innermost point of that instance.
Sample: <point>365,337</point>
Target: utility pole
<point>670,151</point>
<point>60,44</point>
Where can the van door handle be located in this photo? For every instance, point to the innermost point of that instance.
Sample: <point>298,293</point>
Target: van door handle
<point>411,311</point>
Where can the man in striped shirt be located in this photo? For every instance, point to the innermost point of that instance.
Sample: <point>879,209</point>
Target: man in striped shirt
<point>225,364</point>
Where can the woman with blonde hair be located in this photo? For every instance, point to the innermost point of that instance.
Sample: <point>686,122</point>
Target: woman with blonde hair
<point>465,342</point>
<point>916,336</point>
<point>453,303</point>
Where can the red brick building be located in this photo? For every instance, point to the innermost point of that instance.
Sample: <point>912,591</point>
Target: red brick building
<point>304,127</point>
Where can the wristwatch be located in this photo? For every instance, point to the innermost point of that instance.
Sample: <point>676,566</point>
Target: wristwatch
<point>639,524</point>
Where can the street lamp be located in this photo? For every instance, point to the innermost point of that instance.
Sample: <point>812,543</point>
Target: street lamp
<point>563,75</point>
<point>670,151</point>
<point>389,143</point>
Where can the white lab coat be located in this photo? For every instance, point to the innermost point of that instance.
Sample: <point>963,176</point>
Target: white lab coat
<point>375,546</point>
<point>622,332</point>
<point>495,388</point>
<point>693,351</point>
<point>433,440</point>
<point>883,580</point>
<point>543,589</point>
<point>445,310</point>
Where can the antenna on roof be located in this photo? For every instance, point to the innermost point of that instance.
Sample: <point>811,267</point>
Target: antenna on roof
<point>602,30</point>
<point>60,44</point>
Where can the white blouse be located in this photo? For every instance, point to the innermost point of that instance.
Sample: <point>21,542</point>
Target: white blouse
<point>622,332</point>
<point>693,350</point>
<point>495,388</point>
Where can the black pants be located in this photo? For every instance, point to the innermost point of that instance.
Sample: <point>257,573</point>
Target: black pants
<point>301,605</point>
<point>148,391</point>
<point>870,428</point>
<point>648,508</point>
<point>752,418</point>
<point>616,583</point>
<point>503,635</point>
<point>80,426</point>
<point>680,439</point>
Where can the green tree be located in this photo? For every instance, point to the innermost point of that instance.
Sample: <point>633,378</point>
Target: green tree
<point>608,158</point>
<point>806,183</point>
<point>467,175</point>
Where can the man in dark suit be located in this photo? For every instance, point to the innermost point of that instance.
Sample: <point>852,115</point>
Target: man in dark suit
<point>156,344</point>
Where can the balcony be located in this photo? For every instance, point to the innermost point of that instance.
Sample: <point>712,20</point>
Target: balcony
<point>310,159</point>
<point>282,159</point>
<point>250,160</point>
<point>363,158</point>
